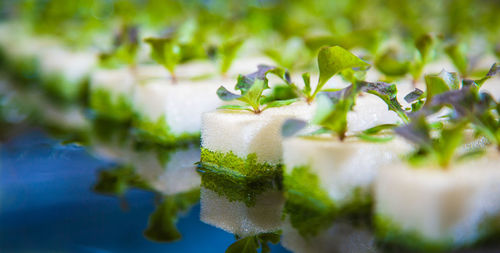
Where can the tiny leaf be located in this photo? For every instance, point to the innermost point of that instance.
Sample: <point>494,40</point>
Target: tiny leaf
<point>245,245</point>
<point>226,95</point>
<point>279,103</point>
<point>392,63</point>
<point>414,95</point>
<point>332,60</point>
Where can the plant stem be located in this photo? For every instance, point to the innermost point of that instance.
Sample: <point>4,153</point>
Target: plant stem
<point>173,77</point>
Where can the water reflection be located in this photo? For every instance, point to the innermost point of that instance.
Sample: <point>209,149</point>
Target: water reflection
<point>167,173</point>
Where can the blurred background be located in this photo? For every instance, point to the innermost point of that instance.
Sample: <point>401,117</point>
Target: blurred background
<point>54,196</point>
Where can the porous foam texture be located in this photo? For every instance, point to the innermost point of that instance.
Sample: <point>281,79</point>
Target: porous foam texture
<point>181,104</point>
<point>440,206</point>
<point>340,237</point>
<point>235,217</point>
<point>175,174</point>
<point>342,167</point>
<point>244,133</point>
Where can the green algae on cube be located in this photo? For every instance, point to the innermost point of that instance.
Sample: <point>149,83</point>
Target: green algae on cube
<point>169,113</point>
<point>325,178</point>
<point>21,52</point>
<point>65,74</point>
<point>431,209</point>
<point>111,91</point>
<point>241,150</point>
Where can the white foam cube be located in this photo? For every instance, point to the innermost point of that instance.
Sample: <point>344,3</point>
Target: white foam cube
<point>341,166</point>
<point>237,218</point>
<point>73,67</point>
<point>112,90</point>
<point>442,206</point>
<point>340,237</point>
<point>244,133</point>
<point>180,104</point>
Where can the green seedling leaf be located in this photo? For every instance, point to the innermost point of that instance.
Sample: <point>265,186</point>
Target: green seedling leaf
<point>306,77</point>
<point>280,103</point>
<point>332,109</point>
<point>251,88</point>
<point>441,83</point>
<point>332,60</point>
<point>165,51</point>
<point>244,245</point>
<point>125,48</point>
<point>226,95</point>
<point>457,51</point>
<point>494,70</point>
<point>227,53</point>
<point>386,92</point>
<point>235,107</point>
<point>392,63</point>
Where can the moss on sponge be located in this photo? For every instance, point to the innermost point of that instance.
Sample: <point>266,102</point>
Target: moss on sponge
<point>159,132</point>
<point>311,209</point>
<point>63,91</point>
<point>392,238</point>
<point>105,104</point>
<point>238,179</point>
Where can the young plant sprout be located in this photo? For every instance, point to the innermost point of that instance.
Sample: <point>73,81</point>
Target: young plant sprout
<point>425,50</point>
<point>251,87</point>
<point>442,83</point>
<point>393,62</point>
<point>397,62</point>
<point>440,150</point>
<point>333,107</point>
<point>457,51</point>
<point>167,52</point>
<point>290,53</point>
<point>125,47</point>
<point>331,61</point>
<point>227,53</point>
<point>469,107</point>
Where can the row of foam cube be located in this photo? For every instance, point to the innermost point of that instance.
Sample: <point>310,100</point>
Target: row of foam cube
<point>418,208</point>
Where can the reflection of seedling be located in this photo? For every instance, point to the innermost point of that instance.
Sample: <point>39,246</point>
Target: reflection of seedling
<point>251,244</point>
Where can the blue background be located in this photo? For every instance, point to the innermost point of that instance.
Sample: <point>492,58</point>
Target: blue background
<point>46,204</point>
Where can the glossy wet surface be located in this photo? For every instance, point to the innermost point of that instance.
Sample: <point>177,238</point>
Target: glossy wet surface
<point>47,204</point>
